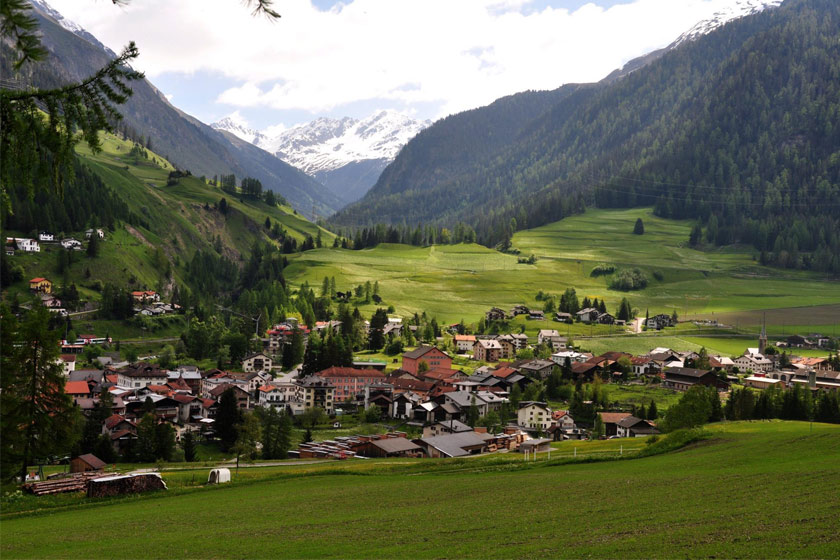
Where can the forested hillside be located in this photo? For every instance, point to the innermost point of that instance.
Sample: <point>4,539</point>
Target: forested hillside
<point>739,129</point>
<point>150,119</point>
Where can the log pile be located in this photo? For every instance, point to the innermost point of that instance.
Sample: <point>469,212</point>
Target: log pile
<point>125,484</point>
<point>76,482</point>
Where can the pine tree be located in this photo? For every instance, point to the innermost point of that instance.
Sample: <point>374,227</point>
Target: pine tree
<point>639,228</point>
<point>188,442</point>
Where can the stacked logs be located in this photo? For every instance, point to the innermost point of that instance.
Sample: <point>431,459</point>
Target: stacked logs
<point>76,482</point>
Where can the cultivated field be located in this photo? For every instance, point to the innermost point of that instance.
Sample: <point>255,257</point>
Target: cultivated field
<point>752,489</point>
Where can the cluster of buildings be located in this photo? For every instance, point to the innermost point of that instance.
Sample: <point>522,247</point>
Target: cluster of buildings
<point>29,245</point>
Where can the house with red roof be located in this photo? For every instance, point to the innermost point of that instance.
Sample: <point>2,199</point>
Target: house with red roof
<point>77,390</point>
<point>349,382</point>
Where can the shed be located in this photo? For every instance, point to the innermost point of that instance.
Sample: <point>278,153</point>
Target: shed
<point>219,476</point>
<point>535,445</point>
<point>85,463</point>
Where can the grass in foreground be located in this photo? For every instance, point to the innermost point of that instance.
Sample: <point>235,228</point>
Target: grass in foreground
<point>754,489</point>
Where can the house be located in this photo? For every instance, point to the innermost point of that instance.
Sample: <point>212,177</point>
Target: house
<point>464,342</point>
<point>25,244</point>
<point>753,361</point>
<point>534,415</point>
<point>243,397</point>
<point>635,427</point>
<point>520,340</point>
<point>141,375</point>
<point>77,390</point>
<point>46,236</point>
<point>448,427</point>
<point>519,310</point>
<point>86,463</point>
<point>611,420</point>
<point>559,358</point>
<point>318,392</point>
<point>464,400</point>
<point>487,350</point>
<point>256,362</point>
<point>393,446</point>
<point>495,314</point>
<point>68,363</point>
<point>682,378</point>
<point>508,347</point>
<point>643,366</point>
<point>380,395</point>
<point>349,382</point>
<point>269,395</point>
<point>433,357</point>
<point>250,381</point>
<point>539,369</point>
<point>660,321</point>
<point>585,370</point>
<point>606,319</point>
<point>99,233</point>
<point>553,339</point>
<point>41,285</point>
<point>535,445</point>
<point>536,315</point>
<point>563,426</point>
<point>71,244</point>
<point>454,445</point>
<point>563,317</point>
<point>145,296</point>
<point>588,315</point>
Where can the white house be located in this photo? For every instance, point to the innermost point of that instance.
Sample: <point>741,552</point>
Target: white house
<point>98,231</point>
<point>25,244</point>
<point>559,358</point>
<point>71,243</point>
<point>535,415</point>
<point>753,361</point>
<point>46,236</point>
<point>256,362</point>
<point>464,342</point>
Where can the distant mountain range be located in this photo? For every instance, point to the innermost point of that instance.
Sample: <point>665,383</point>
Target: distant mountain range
<point>75,54</point>
<point>346,155</point>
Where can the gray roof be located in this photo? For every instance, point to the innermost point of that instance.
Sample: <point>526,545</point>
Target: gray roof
<point>420,351</point>
<point>455,426</point>
<point>85,374</point>
<point>453,444</point>
<point>396,445</point>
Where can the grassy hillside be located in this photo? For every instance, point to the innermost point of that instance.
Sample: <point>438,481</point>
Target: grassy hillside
<point>178,219</point>
<point>752,489</point>
<point>463,281</point>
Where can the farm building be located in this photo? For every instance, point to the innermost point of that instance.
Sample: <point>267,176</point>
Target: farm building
<point>85,463</point>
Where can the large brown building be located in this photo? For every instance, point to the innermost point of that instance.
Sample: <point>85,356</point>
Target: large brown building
<point>434,358</point>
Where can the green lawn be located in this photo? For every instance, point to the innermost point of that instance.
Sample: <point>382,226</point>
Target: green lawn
<point>754,489</point>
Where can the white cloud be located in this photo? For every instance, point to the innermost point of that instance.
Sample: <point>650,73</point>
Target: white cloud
<point>458,54</point>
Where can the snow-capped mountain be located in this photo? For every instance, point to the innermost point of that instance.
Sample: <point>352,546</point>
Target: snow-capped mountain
<point>734,10</point>
<point>70,26</point>
<point>239,129</point>
<point>346,154</point>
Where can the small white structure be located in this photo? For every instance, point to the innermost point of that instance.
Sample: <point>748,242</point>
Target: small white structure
<point>46,236</point>
<point>219,476</point>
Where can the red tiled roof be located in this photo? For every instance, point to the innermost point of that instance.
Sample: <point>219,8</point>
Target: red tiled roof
<point>267,388</point>
<point>503,372</point>
<point>76,388</point>
<point>160,389</point>
<point>183,399</point>
<point>68,357</point>
<point>112,378</point>
<point>207,403</point>
<point>613,417</point>
<point>36,280</point>
<point>113,420</point>
<point>121,433</point>
<point>349,372</point>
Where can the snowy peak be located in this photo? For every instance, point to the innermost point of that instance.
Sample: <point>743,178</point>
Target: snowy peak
<point>48,11</point>
<point>734,10</point>
<point>238,128</point>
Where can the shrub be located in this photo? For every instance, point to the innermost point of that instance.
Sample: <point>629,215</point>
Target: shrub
<point>602,270</point>
<point>629,279</point>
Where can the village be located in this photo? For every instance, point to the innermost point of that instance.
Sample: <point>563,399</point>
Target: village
<point>425,407</point>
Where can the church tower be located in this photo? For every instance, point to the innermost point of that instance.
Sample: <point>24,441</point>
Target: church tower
<point>762,338</point>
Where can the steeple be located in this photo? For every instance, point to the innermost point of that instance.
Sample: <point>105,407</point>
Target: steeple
<point>762,338</point>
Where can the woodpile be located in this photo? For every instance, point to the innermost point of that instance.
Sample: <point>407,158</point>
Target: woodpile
<point>76,482</point>
<point>124,484</point>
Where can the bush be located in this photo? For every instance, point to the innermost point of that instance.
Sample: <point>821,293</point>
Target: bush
<point>629,279</point>
<point>658,275</point>
<point>602,270</point>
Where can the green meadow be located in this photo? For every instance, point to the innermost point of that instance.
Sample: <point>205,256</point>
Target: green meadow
<point>454,282</point>
<point>748,489</point>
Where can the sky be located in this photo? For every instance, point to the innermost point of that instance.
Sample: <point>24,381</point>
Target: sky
<point>424,58</point>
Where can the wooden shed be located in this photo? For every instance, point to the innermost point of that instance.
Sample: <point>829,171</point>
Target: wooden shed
<point>86,463</point>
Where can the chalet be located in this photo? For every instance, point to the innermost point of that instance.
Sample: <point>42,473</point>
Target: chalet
<point>534,415</point>
<point>486,350</point>
<point>588,315</point>
<point>563,317</point>
<point>46,236</point>
<point>256,362</point>
<point>433,357</point>
<point>380,395</point>
<point>611,420</point>
<point>249,380</point>
<point>635,427</point>
<point>464,400</point>
<point>585,370</point>
<point>318,392</point>
<point>495,314</point>
<point>536,315</point>
<point>643,365</point>
<point>190,408</point>
<point>41,285</point>
<point>141,375</point>
<point>464,342</point>
<point>519,310</point>
<point>563,426</point>
<point>682,378</point>
<point>145,296</point>
<point>552,338</point>
<point>349,382</point>
<point>606,319</point>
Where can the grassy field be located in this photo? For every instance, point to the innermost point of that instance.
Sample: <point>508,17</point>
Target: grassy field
<point>754,489</point>
<point>463,281</point>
